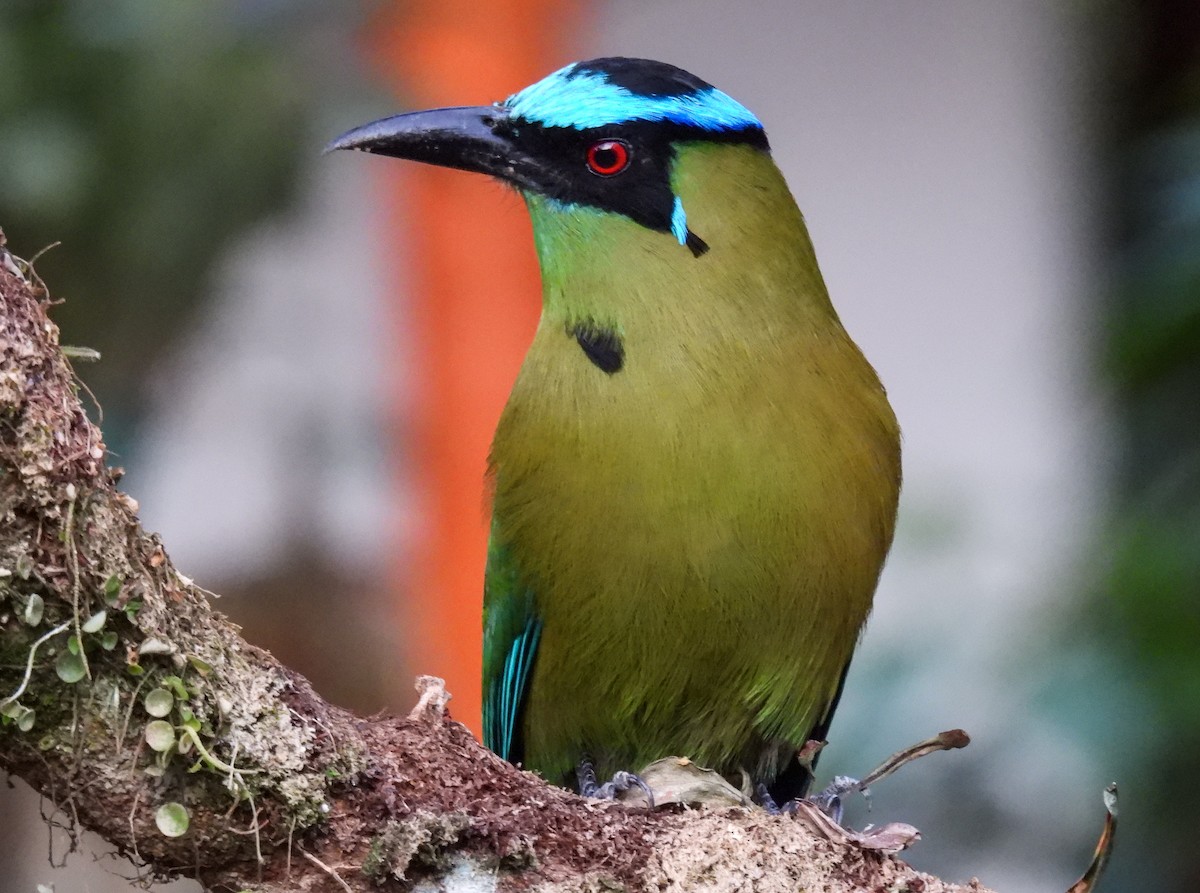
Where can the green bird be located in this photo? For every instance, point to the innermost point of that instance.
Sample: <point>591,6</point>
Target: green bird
<point>697,472</point>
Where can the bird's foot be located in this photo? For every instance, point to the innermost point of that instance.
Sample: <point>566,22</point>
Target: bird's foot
<point>829,800</point>
<point>763,798</point>
<point>585,776</point>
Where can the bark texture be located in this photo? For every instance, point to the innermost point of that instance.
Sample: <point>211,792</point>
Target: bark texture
<point>122,692</point>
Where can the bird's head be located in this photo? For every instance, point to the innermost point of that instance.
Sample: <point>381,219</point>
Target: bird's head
<point>599,134</point>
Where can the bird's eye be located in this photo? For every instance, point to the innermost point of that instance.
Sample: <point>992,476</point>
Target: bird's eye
<point>608,157</point>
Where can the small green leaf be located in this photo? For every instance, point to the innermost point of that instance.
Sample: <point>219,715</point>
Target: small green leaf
<point>112,586</point>
<point>185,713</point>
<point>11,710</point>
<point>24,566</point>
<point>172,819</point>
<point>73,645</point>
<point>95,623</point>
<point>108,641</point>
<point>177,687</point>
<point>160,735</point>
<point>134,669</point>
<point>25,720</point>
<point>34,608</point>
<point>200,666</point>
<point>159,702</point>
<point>70,667</point>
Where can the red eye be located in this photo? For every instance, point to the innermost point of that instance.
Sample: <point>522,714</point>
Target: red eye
<point>607,157</point>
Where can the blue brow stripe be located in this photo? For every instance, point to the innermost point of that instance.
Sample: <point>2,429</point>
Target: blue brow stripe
<point>584,99</point>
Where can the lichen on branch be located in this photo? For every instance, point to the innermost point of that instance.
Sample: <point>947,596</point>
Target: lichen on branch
<point>96,626</point>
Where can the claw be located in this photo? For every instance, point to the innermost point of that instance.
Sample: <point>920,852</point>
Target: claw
<point>767,802</point>
<point>585,775</point>
<point>829,801</point>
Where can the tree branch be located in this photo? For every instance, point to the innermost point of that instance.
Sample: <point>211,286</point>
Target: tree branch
<point>136,708</point>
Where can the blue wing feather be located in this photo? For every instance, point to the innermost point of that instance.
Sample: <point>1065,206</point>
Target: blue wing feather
<point>511,634</point>
<point>515,685</point>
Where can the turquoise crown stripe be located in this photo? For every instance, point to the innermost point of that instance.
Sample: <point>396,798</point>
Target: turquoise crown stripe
<point>582,99</point>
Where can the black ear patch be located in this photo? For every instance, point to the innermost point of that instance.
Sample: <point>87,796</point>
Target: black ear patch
<point>601,345</point>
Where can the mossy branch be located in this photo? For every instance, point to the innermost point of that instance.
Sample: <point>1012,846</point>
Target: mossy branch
<point>133,705</point>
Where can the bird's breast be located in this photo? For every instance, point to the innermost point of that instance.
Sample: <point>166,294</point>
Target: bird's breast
<point>702,467</point>
<point>702,530</point>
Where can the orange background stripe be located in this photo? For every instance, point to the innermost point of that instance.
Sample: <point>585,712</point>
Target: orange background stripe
<point>475,297</point>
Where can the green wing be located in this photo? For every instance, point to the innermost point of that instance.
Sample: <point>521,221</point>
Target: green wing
<point>511,632</point>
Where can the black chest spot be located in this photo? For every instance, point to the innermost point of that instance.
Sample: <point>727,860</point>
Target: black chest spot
<point>601,345</point>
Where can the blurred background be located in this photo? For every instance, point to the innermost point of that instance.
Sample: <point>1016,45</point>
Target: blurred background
<point>303,357</point>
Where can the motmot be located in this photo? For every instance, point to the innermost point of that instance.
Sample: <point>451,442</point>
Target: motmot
<point>697,472</point>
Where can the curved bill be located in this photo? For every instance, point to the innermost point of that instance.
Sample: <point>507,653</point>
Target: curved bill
<point>466,138</point>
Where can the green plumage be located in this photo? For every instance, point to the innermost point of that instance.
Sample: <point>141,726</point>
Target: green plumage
<point>696,475</point>
<point>698,535</point>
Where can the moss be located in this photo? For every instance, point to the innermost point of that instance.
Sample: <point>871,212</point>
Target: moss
<point>424,839</point>
<point>347,766</point>
<point>519,854</point>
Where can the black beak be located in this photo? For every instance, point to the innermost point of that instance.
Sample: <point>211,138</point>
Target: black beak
<point>470,138</point>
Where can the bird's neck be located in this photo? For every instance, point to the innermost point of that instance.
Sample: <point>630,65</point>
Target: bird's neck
<point>760,268</point>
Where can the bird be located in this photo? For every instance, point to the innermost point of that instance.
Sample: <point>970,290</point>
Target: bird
<point>695,478</point>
